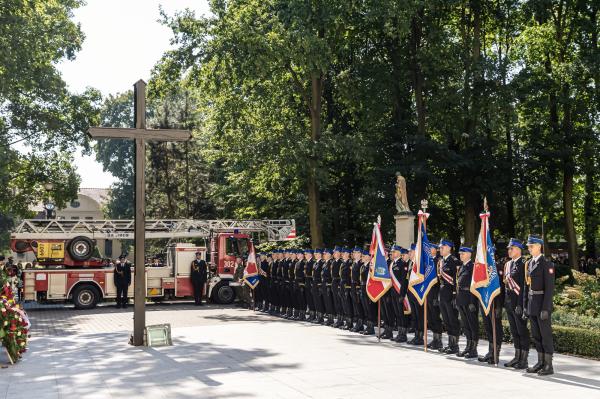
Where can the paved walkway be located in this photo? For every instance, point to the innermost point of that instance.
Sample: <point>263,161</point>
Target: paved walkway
<point>228,352</point>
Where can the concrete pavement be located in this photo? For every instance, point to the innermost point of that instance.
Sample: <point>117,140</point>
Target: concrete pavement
<point>229,352</point>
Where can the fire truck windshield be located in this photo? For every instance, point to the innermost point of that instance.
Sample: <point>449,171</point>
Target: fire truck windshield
<point>237,247</point>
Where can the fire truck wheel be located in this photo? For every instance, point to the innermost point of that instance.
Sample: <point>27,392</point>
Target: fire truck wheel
<point>81,248</point>
<point>85,297</point>
<point>223,293</point>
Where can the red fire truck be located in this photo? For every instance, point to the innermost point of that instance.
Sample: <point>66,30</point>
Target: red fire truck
<point>69,273</point>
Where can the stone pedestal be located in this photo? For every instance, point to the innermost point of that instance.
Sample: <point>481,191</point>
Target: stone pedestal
<point>405,229</point>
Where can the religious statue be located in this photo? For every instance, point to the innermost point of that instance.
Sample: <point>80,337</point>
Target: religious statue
<point>401,199</point>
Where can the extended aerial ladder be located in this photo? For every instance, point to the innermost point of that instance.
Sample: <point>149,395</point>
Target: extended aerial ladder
<point>40,229</point>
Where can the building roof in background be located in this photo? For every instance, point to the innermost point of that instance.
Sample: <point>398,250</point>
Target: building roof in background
<point>100,195</point>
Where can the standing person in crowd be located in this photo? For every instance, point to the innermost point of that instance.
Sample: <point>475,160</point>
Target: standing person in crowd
<point>357,308</point>
<point>198,275</point>
<point>514,282</point>
<point>326,290</point>
<point>434,321</point>
<point>447,294</point>
<point>122,279</point>
<point>467,304</point>
<point>417,309</point>
<point>538,304</point>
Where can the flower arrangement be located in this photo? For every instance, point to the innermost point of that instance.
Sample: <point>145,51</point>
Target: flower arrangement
<point>14,324</point>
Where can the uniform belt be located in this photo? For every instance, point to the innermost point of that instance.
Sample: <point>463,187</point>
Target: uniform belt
<point>347,286</point>
<point>534,292</point>
<point>329,284</point>
<point>309,277</point>
<point>465,289</point>
<point>363,284</point>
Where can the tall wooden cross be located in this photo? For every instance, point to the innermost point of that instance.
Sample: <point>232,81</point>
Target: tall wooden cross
<point>140,134</point>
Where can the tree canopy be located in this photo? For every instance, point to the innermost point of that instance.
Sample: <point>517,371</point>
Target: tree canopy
<point>308,110</point>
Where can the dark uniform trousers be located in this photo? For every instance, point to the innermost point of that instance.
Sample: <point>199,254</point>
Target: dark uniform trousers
<point>357,308</point>
<point>326,290</point>
<point>467,302</point>
<point>299,285</point>
<point>308,288</point>
<point>434,321</point>
<point>336,287</point>
<point>346,289</point>
<point>514,298</point>
<point>417,313</point>
<point>495,311</point>
<point>540,290</point>
<point>317,287</point>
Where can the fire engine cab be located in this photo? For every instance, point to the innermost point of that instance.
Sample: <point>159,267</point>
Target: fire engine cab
<point>69,273</point>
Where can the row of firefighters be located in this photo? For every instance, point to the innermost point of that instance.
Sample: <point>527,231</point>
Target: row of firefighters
<point>328,287</point>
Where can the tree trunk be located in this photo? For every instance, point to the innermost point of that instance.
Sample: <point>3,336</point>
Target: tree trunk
<point>589,211</point>
<point>470,222</point>
<point>314,212</point>
<point>569,219</point>
<point>416,71</point>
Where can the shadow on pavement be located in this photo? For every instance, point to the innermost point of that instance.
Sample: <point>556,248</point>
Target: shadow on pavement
<point>83,366</point>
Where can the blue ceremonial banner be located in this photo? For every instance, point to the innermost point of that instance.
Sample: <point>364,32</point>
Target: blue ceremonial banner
<point>423,275</point>
<point>251,277</point>
<point>485,283</point>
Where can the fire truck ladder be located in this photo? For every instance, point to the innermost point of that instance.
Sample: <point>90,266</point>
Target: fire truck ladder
<point>39,229</point>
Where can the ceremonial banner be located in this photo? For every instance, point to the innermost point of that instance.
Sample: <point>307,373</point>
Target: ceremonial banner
<point>485,283</point>
<point>379,279</point>
<point>423,275</point>
<point>251,278</point>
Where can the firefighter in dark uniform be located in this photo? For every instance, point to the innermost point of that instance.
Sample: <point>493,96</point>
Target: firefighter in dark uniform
<point>514,283</point>
<point>273,282</point>
<point>539,276</point>
<point>335,286</point>
<point>262,290</point>
<point>317,287</point>
<point>387,306</point>
<point>488,323</point>
<point>434,322</point>
<point>417,310</point>
<point>326,290</point>
<point>369,307</point>
<point>467,304</point>
<point>346,287</point>
<point>122,279</point>
<point>357,308</point>
<point>198,276</point>
<point>399,268</point>
<point>309,265</point>
<point>447,281</point>
<point>286,286</point>
<point>299,284</point>
<point>282,284</point>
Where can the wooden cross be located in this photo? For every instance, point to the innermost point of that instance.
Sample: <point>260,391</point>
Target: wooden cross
<point>140,134</point>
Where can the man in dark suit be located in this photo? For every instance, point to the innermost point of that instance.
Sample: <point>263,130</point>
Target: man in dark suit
<point>122,278</point>
<point>467,304</point>
<point>198,276</point>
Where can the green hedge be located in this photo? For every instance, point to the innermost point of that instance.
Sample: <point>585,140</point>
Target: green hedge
<point>567,340</point>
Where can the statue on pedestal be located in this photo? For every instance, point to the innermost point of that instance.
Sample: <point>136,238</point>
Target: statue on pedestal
<point>401,199</point>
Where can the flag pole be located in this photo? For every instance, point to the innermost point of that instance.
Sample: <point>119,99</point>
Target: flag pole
<point>253,302</point>
<point>494,333</point>
<point>425,323</point>
<point>379,320</point>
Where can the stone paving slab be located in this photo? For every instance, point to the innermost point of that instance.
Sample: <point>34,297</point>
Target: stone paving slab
<point>229,352</point>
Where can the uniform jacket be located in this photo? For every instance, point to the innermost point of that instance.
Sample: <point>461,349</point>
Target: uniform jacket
<point>464,297</point>
<point>447,270</point>
<point>540,277</point>
<point>514,282</point>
